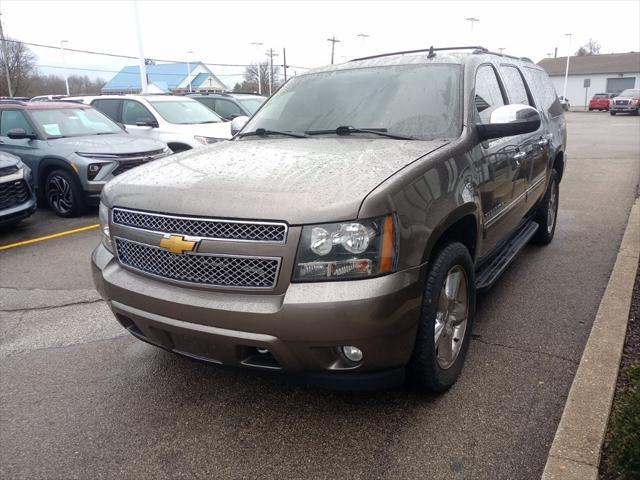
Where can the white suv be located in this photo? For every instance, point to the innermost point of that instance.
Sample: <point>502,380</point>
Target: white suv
<point>180,122</point>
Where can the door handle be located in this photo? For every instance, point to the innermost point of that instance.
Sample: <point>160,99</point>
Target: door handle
<point>518,157</point>
<point>542,142</point>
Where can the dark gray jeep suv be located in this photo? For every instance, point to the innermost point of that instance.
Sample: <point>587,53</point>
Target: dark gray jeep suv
<point>344,232</point>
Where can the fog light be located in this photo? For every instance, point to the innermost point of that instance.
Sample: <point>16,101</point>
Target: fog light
<point>352,353</point>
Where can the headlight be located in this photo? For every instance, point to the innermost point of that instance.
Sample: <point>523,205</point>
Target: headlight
<point>206,140</point>
<point>346,250</point>
<point>104,227</point>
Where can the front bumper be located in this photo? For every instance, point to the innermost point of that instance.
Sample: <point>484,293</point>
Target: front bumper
<point>301,329</point>
<point>624,108</point>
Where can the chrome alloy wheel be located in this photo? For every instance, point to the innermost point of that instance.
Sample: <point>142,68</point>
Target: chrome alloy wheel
<point>451,317</point>
<point>552,208</point>
<point>59,194</point>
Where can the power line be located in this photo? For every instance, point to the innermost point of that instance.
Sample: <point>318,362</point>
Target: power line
<point>116,55</point>
<point>130,73</point>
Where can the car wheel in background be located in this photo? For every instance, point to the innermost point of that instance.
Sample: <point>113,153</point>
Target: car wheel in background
<point>63,194</point>
<point>611,112</point>
<point>446,320</point>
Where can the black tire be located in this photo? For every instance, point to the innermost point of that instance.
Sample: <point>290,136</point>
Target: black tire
<point>63,194</point>
<point>424,371</point>
<point>611,113</point>
<point>548,221</point>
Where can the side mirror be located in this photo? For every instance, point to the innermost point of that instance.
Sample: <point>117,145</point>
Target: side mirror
<point>238,123</point>
<point>20,134</point>
<point>146,122</point>
<point>509,120</point>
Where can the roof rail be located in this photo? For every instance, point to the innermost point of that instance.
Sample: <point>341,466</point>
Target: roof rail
<point>8,101</point>
<point>430,50</point>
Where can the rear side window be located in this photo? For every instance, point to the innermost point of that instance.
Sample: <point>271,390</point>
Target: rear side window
<point>11,119</point>
<point>543,91</point>
<point>207,102</point>
<point>514,84</point>
<point>111,108</point>
<point>133,112</point>
<point>488,93</point>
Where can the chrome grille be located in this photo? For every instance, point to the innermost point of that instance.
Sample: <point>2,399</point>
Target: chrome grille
<point>623,102</point>
<point>212,270</point>
<point>13,194</point>
<point>202,227</point>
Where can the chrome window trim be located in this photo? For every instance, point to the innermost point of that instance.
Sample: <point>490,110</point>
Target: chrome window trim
<point>201,219</point>
<point>196,284</point>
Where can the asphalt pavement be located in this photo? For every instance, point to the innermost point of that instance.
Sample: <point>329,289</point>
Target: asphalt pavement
<point>79,398</point>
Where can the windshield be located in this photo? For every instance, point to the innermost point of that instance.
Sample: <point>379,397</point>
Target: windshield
<point>73,122</point>
<point>420,101</point>
<point>185,112</point>
<point>251,104</point>
<point>630,92</point>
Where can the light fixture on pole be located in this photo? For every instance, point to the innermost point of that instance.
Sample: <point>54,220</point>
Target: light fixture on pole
<point>64,65</point>
<point>189,53</point>
<point>258,45</point>
<point>472,20</point>
<point>566,72</point>
<point>333,41</point>
<point>501,49</point>
<point>363,37</point>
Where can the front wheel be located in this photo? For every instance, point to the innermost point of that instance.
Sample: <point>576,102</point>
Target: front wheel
<point>611,112</point>
<point>444,328</point>
<point>63,194</point>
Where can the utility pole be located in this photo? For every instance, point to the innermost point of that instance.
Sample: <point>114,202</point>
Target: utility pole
<point>143,66</point>
<point>472,20</point>
<point>501,49</point>
<point>363,37</point>
<point>189,53</point>
<point>258,45</point>
<point>64,65</point>
<point>270,53</point>
<point>333,41</point>
<point>284,61</point>
<point>6,58</point>
<point>566,72</point>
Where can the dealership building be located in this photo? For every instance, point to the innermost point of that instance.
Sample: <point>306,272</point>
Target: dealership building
<point>605,73</point>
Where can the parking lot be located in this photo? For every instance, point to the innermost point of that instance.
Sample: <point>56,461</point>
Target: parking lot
<point>81,398</point>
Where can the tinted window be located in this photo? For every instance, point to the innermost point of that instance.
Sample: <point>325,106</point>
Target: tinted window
<point>227,109</point>
<point>543,91</point>
<point>133,112</point>
<point>13,119</point>
<point>109,107</point>
<point>515,86</point>
<point>207,102</point>
<point>421,101</point>
<point>184,112</point>
<point>488,93</point>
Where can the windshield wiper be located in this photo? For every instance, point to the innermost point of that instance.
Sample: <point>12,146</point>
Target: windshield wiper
<point>210,121</point>
<point>262,132</point>
<point>347,130</point>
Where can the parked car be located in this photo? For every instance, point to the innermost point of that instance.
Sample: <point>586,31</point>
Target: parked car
<point>565,103</point>
<point>72,149</point>
<point>343,233</point>
<point>230,105</point>
<point>600,101</point>
<point>48,98</point>
<point>627,102</point>
<point>17,192</point>
<point>180,122</point>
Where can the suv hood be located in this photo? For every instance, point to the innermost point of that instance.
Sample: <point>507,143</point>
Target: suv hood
<point>296,180</point>
<point>120,143</point>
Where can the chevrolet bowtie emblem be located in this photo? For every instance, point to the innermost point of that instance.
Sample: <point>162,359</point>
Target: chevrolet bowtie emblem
<point>177,244</point>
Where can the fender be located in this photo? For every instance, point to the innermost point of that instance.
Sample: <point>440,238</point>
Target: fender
<point>469,209</point>
<point>50,163</point>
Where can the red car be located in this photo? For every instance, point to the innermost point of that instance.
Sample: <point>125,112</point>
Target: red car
<point>627,102</point>
<point>600,101</point>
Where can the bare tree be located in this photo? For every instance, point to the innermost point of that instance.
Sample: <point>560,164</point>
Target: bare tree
<point>21,63</point>
<point>592,47</point>
<point>250,83</point>
<point>52,84</point>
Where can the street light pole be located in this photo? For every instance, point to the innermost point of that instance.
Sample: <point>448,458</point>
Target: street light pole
<point>189,53</point>
<point>271,54</point>
<point>143,66</point>
<point>6,59</point>
<point>566,72</point>
<point>363,37</point>
<point>64,65</point>
<point>258,45</point>
<point>333,41</point>
<point>472,20</point>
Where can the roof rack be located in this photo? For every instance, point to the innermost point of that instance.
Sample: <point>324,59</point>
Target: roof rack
<point>7,101</point>
<point>431,50</point>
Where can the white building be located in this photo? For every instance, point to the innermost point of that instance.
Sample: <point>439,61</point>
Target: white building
<point>608,73</point>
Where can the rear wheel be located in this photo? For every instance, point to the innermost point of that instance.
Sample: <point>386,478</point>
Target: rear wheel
<point>63,194</point>
<point>444,329</point>
<point>547,213</point>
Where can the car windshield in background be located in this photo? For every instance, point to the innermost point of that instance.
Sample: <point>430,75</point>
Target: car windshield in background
<point>251,104</point>
<point>630,92</point>
<point>419,101</point>
<point>186,112</point>
<point>73,122</point>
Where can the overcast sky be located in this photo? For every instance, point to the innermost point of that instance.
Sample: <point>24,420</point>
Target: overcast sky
<point>221,31</point>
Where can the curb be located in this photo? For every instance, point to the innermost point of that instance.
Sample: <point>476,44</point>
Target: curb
<point>575,452</point>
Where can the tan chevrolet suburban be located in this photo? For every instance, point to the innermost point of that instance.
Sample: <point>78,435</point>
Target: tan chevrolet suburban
<point>341,237</point>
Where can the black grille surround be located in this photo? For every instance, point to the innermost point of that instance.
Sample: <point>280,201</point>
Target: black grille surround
<point>622,102</point>
<point>125,167</point>
<point>13,193</point>
<point>204,269</point>
<point>214,229</point>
